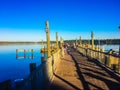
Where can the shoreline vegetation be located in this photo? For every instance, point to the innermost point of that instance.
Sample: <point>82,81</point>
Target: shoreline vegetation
<point>84,41</point>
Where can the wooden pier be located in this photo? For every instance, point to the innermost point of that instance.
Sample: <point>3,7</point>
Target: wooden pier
<point>86,67</point>
<point>77,72</point>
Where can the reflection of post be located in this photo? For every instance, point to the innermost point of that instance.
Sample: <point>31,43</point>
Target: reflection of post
<point>24,53</point>
<point>99,43</point>
<point>48,39</point>
<point>44,51</point>
<point>16,53</point>
<point>32,51</point>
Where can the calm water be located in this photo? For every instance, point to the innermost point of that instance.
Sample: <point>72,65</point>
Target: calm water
<point>12,68</point>
<point>108,47</point>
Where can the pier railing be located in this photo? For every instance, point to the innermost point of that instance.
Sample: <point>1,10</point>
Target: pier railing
<point>41,76</point>
<point>108,60</point>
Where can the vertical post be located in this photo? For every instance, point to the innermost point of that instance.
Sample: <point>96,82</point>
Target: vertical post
<point>34,76</point>
<point>24,53</point>
<point>99,43</point>
<point>92,37</point>
<point>43,59</point>
<point>61,42</point>
<point>57,41</point>
<point>102,56</point>
<point>61,45</point>
<point>80,41</point>
<point>119,65</point>
<point>48,39</point>
<point>32,67</point>
<point>76,42</point>
<point>16,53</point>
<point>44,72</point>
<point>32,51</point>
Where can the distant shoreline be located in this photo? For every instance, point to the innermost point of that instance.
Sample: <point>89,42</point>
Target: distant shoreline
<point>10,43</point>
<point>85,41</point>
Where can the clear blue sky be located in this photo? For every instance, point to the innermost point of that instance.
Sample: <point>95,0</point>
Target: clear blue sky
<point>24,20</point>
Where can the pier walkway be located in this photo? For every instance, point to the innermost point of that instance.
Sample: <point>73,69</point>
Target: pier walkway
<point>76,72</point>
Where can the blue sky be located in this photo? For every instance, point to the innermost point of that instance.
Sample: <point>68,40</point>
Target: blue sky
<point>24,20</point>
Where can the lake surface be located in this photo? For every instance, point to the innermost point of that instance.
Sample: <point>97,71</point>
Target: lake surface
<point>12,68</point>
<point>108,47</point>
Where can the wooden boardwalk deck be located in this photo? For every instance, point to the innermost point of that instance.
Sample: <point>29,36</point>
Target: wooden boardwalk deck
<point>76,72</point>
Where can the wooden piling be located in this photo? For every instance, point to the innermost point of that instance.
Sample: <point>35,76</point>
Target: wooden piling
<point>80,41</point>
<point>48,39</point>
<point>92,37</point>
<point>44,72</point>
<point>16,53</point>
<point>34,76</point>
<point>57,41</point>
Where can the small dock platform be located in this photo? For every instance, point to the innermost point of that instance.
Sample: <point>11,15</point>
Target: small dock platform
<point>76,72</point>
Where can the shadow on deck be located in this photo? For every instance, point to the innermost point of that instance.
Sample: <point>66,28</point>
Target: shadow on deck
<point>92,75</point>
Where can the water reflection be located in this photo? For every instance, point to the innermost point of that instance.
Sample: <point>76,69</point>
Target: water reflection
<point>13,69</point>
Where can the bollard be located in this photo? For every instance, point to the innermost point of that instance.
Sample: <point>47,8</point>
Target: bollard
<point>6,85</point>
